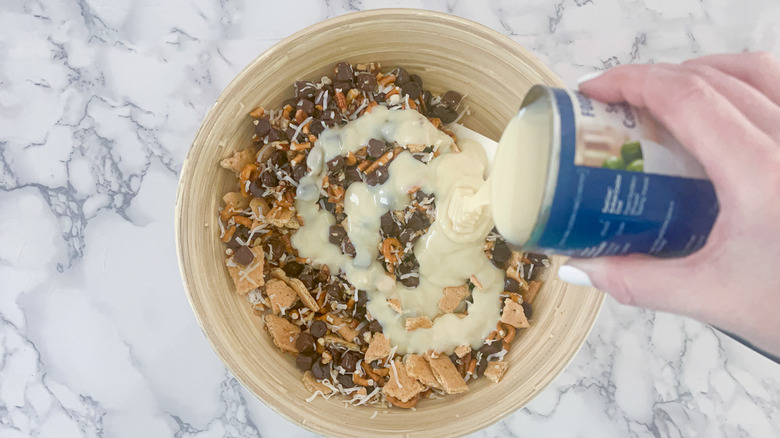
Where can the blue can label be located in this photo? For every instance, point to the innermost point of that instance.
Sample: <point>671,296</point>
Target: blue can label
<point>624,185</point>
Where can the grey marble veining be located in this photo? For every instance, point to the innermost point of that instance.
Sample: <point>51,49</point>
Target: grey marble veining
<point>99,101</point>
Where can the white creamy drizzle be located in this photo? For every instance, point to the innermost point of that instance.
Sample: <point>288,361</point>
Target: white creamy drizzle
<point>443,261</point>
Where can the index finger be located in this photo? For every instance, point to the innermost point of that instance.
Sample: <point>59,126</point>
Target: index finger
<point>704,121</point>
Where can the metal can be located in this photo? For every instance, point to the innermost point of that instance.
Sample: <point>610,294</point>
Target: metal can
<point>616,181</point>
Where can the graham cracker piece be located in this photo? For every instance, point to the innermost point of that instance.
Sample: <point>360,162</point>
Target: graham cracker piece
<point>259,207</point>
<point>401,385</point>
<point>250,277</point>
<point>280,295</point>
<point>283,332</point>
<point>475,281</point>
<point>312,385</point>
<point>463,350</point>
<point>533,289</point>
<point>279,216</point>
<point>495,370</point>
<point>418,367</point>
<point>416,148</point>
<point>303,293</point>
<point>379,348</point>
<point>239,202</point>
<point>514,315</point>
<point>418,322</point>
<point>238,160</point>
<point>395,304</point>
<point>297,286</point>
<point>452,297</point>
<point>446,373</point>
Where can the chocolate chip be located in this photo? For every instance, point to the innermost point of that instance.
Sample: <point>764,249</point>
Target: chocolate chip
<point>334,290</point>
<point>527,309</point>
<point>491,348</point>
<point>413,89</point>
<point>536,259</point>
<point>316,127</point>
<point>343,86</point>
<point>376,148</point>
<point>416,79</point>
<point>262,127</point>
<point>388,225</point>
<point>336,164</point>
<point>320,370</point>
<point>421,196</point>
<point>427,97</point>
<point>482,367</point>
<point>375,326</point>
<point>343,72</point>
<point>409,265</point>
<point>278,158</point>
<point>378,176</point>
<point>345,380</point>
<point>304,362</point>
<point>305,343</point>
<point>275,248</point>
<point>511,285</point>
<point>306,106</point>
<point>318,329</point>
<point>268,178</point>
<point>366,82</point>
<point>293,268</point>
<point>350,359</point>
<point>276,135</point>
<point>380,98</point>
<point>401,76</point>
<point>501,253</point>
<point>352,174</point>
<point>443,113</point>
<point>407,235</point>
<point>290,131</point>
<point>418,221</point>
<point>244,256</point>
<point>299,172</point>
<point>308,278</point>
<point>349,248</point>
<point>256,188</point>
<point>362,299</point>
<point>451,98</point>
<point>337,234</point>
<point>304,90</point>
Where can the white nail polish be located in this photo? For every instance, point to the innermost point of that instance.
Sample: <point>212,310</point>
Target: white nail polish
<point>574,276</point>
<point>589,76</point>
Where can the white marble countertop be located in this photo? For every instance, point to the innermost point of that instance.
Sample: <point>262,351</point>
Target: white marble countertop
<point>99,101</point>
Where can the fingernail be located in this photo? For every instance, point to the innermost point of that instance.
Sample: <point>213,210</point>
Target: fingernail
<point>574,276</point>
<point>589,76</point>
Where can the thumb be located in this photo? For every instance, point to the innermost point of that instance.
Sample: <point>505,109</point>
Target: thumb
<point>636,280</point>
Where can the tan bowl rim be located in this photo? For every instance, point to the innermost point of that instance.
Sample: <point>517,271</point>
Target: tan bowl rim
<point>263,397</point>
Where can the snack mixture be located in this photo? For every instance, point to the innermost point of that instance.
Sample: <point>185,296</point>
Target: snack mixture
<point>332,233</point>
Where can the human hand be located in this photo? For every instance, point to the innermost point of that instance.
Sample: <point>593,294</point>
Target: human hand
<point>725,109</point>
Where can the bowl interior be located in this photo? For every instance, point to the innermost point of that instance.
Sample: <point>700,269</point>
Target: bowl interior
<point>448,53</point>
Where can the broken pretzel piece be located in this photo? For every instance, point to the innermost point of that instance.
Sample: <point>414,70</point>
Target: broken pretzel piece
<point>533,289</point>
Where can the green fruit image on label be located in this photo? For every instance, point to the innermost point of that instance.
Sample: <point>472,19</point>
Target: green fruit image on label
<point>616,163</point>
<point>636,166</point>
<point>631,151</point>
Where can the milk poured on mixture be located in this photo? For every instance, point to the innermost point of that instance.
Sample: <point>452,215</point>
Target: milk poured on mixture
<point>446,257</point>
